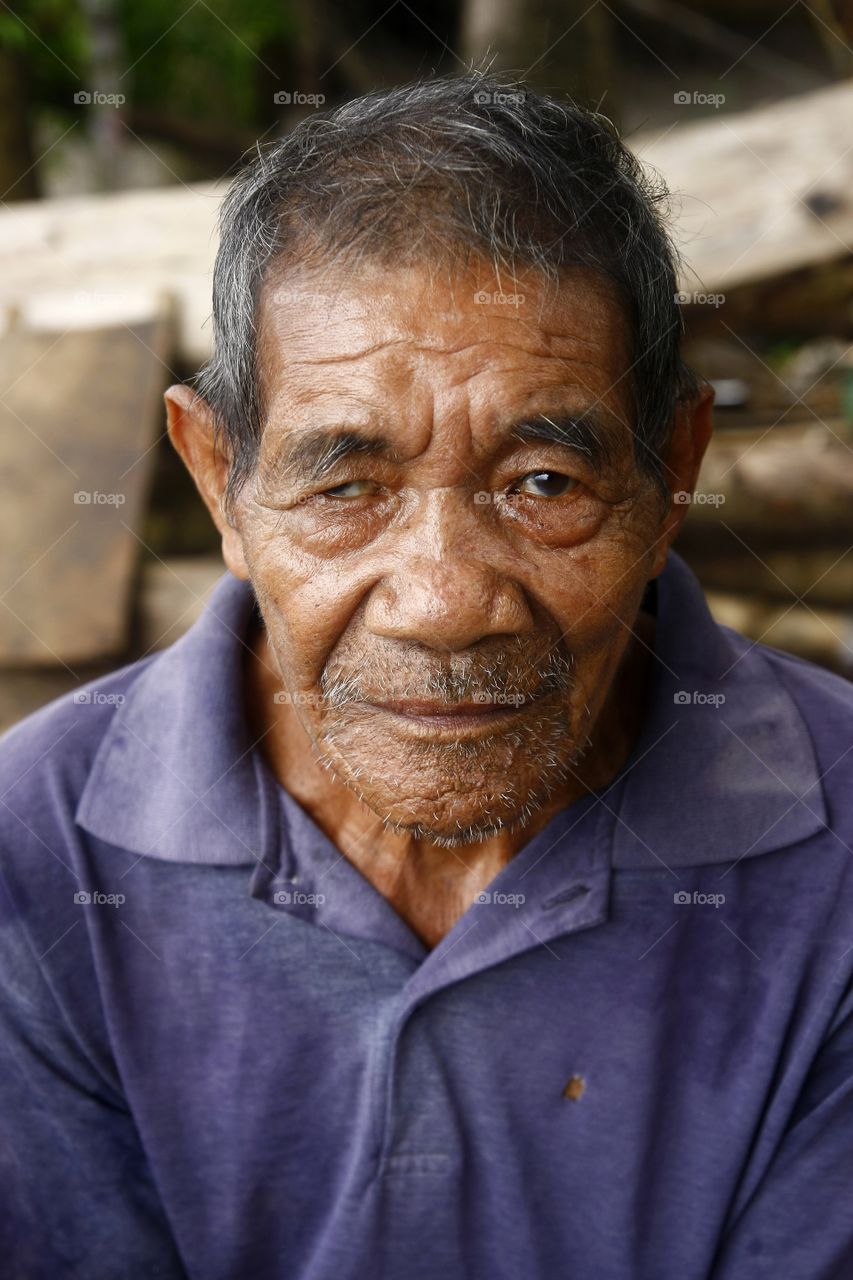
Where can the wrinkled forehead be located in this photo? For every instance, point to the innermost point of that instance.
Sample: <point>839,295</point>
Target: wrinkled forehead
<point>380,335</point>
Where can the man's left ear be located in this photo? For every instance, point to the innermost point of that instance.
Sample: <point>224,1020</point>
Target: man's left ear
<point>691,432</point>
<point>190,425</point>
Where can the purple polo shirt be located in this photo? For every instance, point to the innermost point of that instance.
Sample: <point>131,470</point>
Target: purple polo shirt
<point>633,1060</point>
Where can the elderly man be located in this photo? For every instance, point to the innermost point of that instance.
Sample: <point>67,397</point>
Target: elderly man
<point>455,899</point>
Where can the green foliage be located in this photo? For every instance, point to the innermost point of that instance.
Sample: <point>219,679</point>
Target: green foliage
<point>204,62</point>
<point>49,36</point>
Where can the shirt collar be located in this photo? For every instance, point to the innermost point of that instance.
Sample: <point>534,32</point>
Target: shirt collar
<point>724,767</point>
<point>175,775</point>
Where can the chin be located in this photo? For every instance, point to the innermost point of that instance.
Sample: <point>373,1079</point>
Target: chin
<point>478,827</point>
<point>462,793</point>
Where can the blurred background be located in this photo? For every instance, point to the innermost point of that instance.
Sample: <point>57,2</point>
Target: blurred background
<point>120,123</point>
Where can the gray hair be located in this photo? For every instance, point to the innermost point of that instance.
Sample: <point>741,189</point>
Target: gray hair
<point>446,168</point>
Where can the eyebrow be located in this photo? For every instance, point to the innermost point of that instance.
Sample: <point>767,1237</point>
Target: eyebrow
<point>313,455</point>
<point>587,433</point>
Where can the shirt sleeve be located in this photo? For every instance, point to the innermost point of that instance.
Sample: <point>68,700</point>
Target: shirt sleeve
<point>77,1199</point>
<point>798,1223</point>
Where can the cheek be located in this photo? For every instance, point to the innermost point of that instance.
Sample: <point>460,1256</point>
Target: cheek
<point>595,596</point>
<point>593,590</point>
<point>306,604</point>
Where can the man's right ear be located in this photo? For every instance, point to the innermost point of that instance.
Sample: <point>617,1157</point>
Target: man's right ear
<point>190,425</point>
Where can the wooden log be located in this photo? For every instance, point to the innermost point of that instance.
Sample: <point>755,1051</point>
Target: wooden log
<point>80,414</point>
<point>822,577</point>
<point>784,487</point>
<point>813,299</point>
<point>760,193</point>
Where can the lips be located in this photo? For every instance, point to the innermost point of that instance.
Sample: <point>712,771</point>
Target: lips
<point>444,710</point>
<point>445,722</point>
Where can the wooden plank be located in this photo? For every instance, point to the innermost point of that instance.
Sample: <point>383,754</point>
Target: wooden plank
<point>80,413</point>
<point>758,193</point>
<point>94,248</point>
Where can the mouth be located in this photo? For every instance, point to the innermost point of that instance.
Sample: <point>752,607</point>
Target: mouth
<point>451,721</point>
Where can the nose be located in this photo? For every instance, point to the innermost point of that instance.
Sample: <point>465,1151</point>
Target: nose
<point>445,594</point>
<point>447,605</point>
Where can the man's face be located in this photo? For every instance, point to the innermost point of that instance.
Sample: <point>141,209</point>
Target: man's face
<point>447,591</point>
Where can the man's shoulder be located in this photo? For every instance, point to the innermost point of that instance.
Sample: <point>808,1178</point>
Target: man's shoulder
<point>822,697</point>
<point>45,759</point>
<point>824,703</point>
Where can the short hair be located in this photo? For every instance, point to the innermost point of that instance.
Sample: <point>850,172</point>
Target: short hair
<point>447,167</point>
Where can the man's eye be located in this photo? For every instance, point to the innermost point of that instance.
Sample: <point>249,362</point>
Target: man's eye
<point>352,489</point>
<point>546,484</point>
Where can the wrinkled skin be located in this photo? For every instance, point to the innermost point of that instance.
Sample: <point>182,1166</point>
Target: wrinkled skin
<point>440,671</point>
